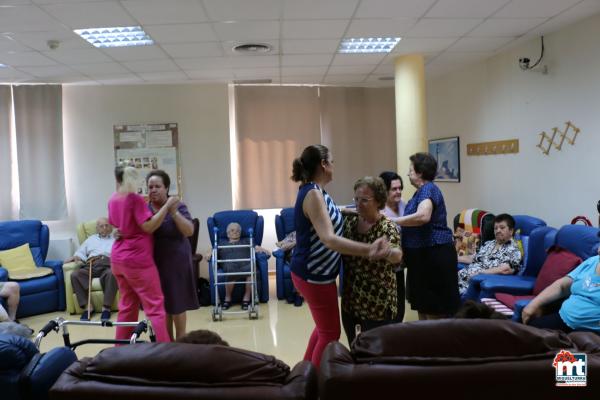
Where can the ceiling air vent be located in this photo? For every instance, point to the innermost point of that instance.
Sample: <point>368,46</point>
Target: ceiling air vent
<point>253,48</point>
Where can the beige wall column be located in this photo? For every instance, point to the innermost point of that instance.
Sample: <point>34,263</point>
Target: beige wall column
<point>411,113</point>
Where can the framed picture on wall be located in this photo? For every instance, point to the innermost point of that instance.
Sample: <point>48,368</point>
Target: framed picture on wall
<point>447,153</point>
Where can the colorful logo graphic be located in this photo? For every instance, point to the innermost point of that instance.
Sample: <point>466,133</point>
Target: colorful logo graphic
<point>571,368</point>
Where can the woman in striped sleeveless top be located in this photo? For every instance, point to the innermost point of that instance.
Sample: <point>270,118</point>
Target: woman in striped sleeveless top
<point>319,242</point>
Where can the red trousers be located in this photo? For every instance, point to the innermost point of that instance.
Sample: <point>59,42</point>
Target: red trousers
<point>322,301</point>
<point>140,285</point>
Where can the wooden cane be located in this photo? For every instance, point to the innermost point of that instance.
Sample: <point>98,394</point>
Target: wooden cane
<point>89,304</point>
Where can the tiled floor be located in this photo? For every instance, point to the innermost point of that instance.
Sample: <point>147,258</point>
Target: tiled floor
<point>281,330</point>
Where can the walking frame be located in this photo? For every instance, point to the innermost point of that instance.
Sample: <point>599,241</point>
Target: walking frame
<point>217,311</point>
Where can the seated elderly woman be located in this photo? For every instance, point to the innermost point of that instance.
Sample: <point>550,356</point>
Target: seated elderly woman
<point>234,233</point>
<point>499,256</point>
<point>369,293</point>
<point>580,311</point>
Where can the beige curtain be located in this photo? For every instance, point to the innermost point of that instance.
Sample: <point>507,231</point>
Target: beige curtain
<point>5,158</point>
<point>38,127</point>
<point>274,125</point>
<point>358,125</point>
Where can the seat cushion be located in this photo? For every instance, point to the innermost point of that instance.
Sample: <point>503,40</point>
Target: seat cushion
<point>509,300</point>
<point>558,264</point>
<point>38,285</point>
<point>19,263</point>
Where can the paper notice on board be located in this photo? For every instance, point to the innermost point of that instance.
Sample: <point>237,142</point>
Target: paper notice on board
<point>130,137</point>
<point>159,139</point>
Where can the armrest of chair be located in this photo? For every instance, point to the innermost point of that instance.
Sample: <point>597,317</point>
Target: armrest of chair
<point>519,306</point>
<point>460,266</point>
<point>262,267</point>
<point>71,266</point>
<point>43,371</point>
<point>57,265</point>
<point>3,275</point>
<point>279,254</point>
<point>511,284</point>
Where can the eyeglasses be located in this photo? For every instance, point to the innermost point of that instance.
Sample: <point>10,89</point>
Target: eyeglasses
<point>361,200</point>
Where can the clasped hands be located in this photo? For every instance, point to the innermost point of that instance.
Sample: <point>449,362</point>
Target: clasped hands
<point>380,248</point>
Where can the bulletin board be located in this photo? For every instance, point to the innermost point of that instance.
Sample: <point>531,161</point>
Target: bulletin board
<point>147,147</point>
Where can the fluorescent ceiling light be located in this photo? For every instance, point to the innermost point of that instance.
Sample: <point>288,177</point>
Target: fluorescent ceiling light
<point>368,45</point>
<point>3,66</point>
<point>118,36</point>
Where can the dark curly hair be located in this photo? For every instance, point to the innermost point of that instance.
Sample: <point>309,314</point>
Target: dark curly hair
<point>306,166</point>
<point>424,164</point>
<point>162,175</point>
<point>202,336</point>
<point>388,177</point>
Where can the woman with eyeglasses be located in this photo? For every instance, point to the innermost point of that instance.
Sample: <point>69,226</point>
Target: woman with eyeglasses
<point>428,245</point>
<point>316,259</point>
<point>369,295</point>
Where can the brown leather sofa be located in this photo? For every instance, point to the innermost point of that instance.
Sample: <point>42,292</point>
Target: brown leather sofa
<point>456,359</point>
<point>184,371</point>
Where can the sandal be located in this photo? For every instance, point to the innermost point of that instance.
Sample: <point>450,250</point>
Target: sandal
<point>245,305</point>
<point>225,305</point>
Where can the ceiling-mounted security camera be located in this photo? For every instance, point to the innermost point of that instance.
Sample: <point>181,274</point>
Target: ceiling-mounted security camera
<point>524,62</point>
<point>53,44</point>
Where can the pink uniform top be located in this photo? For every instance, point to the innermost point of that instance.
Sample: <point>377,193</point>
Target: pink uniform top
<point>127,212</point>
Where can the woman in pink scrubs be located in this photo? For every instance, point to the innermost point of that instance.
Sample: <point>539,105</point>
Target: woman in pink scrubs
<point>132,258</point>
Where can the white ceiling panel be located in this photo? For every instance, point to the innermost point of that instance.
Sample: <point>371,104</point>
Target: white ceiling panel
<point>61,1</point>
<point>194,50</point>
<point>219,74</point>
<point>247,30</point>
<point>506,26</point>
<point>535,8</point>
<point>303,71</point>
<point>151,65</point>
<point>318,9</point>
<point>99,68</point>
<point>461,58</point>
<point>577,13</point>
<point>8,44</point>
<point>135,53</point>
<point>118,79</point>
<point>26,18</point>
<point>256,73</point>
<point>465,8</point>
<point>350,69</point>
<point>380,27</point>
<point>181,33</point>
<point>39,40</point>
<point>438,27</point>
<point>30,58</point>
<point>11,73</point>
<point>310,79</point>
<point>165,11</point>
<point>308,60</point>
<point>423,45</point>
<point>77,56</point>
<point>344,79</point>
<point>252,61</point>
<point>171,76</point>
<point>307,29</point>
<point>239,10</point>
<point>198,64</point>
<point>358,59</point>
<point>468,44</point>
<point>393,8</point>
<point>310,46</point>
<point>50,71</point>
<point>90,15</point>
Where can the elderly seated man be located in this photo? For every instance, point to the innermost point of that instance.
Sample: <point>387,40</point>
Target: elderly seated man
<point>499,256</point>
<point>95,251</point>
<point>234,237</point>
<point>10,292</point>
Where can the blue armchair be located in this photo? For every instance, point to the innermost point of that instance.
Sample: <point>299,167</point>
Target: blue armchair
<point>27,374</point>
<point>38,295</point>
<point>248,219</point>
<point>284,224</point>
<point>579,239</point>
<point>536,238</point>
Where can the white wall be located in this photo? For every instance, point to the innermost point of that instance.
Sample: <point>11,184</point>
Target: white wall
<point>89,113</point>
<point>495,100</point>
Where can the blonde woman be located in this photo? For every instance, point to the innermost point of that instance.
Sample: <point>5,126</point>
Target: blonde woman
<point>132,260</point>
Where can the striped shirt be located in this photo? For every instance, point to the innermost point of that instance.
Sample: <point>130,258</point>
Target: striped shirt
<point>311,260</point>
